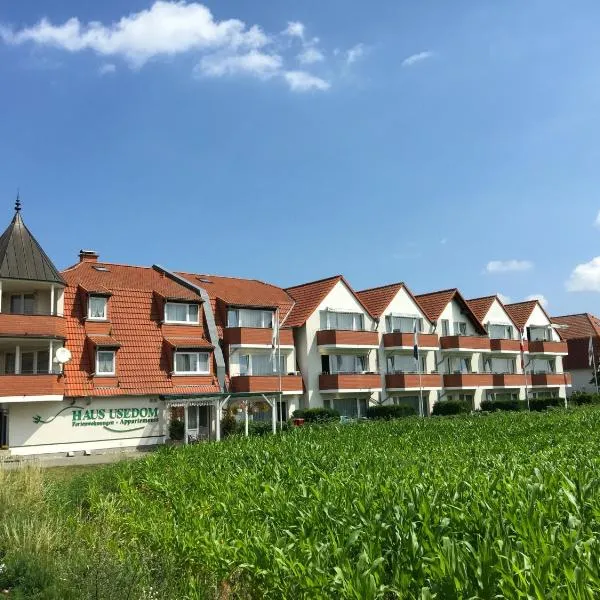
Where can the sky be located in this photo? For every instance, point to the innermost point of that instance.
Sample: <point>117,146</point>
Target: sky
<point>444,144</point>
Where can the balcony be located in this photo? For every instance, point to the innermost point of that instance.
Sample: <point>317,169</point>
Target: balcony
<point>401,381</point>
<point>508,380</point>
<point>499,345</point>
<point>464,342</point>
<point>547,347</point>
<point>338,338</point>
<point>38,325</point>
<point>407,340</point>
<point>31,385</point>
<point>256,336</point>
<point>266,383</point>
<point>468,380</point>
<point>549,379</point>
<point>349,382</point>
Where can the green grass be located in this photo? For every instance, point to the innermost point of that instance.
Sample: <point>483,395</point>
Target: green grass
<point>496,506</point>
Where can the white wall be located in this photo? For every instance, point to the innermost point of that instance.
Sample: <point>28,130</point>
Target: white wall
<point>61,432</point>
<point>581,381</point>
<point>498,316</point>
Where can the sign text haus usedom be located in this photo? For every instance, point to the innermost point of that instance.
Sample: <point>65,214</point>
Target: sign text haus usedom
<point>114,419</point>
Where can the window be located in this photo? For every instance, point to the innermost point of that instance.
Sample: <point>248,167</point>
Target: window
<point>177,312</point>
<point>347,363</point>
<point>261,364</point>
<point>33,362</point>
<point>457,364</point>
<point>191,362</point>
<point>540,333</point>
<point>347,321</point>
<point>545,394</point>
<point>500,332</point>
<point>499,365</point>
<point>97,308</point>
<point>445,327</point>
<point>9,363</point>
<point>405,363</point>
<point>105,362</point>
<point>544,365</point>
<point>22,304</point>
<point>403,324</point>
<point>502,396</point>
<point>460,328</point>
<point>249,317</point>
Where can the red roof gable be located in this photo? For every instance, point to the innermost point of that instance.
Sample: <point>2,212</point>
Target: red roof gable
<point>377,299</point>
<point>143,359</point>
<point>434,303</point>
<point>583,325</point>
<point>308,296</point>
<point>481,306</point>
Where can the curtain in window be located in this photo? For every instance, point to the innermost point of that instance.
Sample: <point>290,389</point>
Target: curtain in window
<point>233,318</point>
<point>97,307</point>
<point>348,363</point>
<point>244,361</point>
<point>27,362</point>
<point>347,407</point>
<point>176,312</point>
<point>402,363</point>
<point>262,364</point>
<point>500,332</point>
<point>347,321</point>
<point>106,362</point>
<point>404,324</point>
<point>9,363</point>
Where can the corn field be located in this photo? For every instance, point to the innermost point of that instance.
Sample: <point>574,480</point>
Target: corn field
<point>499,506</point>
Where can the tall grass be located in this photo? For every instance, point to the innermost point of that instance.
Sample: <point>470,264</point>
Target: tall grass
<point>505,505</point>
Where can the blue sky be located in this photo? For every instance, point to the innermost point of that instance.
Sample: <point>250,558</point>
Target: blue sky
<point>289,141</point>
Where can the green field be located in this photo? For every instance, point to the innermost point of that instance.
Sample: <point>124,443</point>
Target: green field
<point>499,506</point>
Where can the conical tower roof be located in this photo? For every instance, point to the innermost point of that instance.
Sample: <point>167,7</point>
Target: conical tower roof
<point>21,257</point>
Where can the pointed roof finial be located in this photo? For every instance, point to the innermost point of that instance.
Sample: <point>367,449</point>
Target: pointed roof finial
<point>18,202</point>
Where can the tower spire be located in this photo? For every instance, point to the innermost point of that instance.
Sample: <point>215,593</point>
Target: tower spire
<point>18,202</point>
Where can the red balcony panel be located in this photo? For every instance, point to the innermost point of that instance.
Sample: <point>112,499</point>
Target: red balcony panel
<point>31,326</point>
<point>508,380</point>
<point>349,381</point>
<point>181,331</point>
<point>286,337</point>
<point>407,340</point>
<point>31,385</point>
<point>248,335</point>
<point>497,345</point>
<point>544,347</point>
<point>337,337</point>
<point>266,383</point>
<point>464,342</point>
<point>547,379</point>
<point>468,380</point>
<point>411,380</point>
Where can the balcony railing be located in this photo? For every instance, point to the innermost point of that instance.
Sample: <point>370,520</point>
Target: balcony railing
<point>503,345</point>
<point>465,342</point>
<point>407,340</point>
<point>412,380</point>
<point>468,380</point>
<point>545,379</point>
<point>42,325</point>
<point>266,383</point>
<point>349,381</point>
<point>508,379</point>
<point>339,337</point>
<point>31,385</point>
<point>547,347</point>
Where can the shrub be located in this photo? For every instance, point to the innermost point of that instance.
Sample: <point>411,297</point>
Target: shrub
<point>258,427</point>
<point>176,429</point>
<point>317,415</point>
<point>505,404</point>
<point>390,411</point>
<point>539,404</point>
<point>229,424</point>
<point>450,407</point>
<point>579,398</point>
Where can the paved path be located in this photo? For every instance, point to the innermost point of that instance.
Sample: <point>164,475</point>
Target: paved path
<point>78,460</point>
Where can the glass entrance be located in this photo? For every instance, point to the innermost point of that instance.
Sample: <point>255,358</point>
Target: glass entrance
<point>198,422</point>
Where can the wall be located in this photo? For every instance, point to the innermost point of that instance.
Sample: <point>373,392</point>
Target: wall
<point>57,431</point>
<point>581,381</point>
<point>498,316</point>
<point>538,318</point>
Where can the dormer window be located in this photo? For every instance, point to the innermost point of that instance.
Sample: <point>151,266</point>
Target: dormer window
<point>180,312</point>
<point>248,317</point>
<point>192,363</point>
<point>346,321</point>
<point>105,362</point>
<point>500,332</point>
<point>403,324</point>
<point>97,308</point>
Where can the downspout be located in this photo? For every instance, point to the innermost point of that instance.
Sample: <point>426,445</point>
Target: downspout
<point>213,337</point>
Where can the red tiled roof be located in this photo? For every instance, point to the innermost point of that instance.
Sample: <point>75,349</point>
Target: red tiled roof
<point>583,325</point>
<point>144,360</point>
<point>377,299</point>
<point>434,303</point>
<point>308,296</point>
<point>481,306</point>
<point>520,311</point>
<point>103,340</point>
<point>188,342</point>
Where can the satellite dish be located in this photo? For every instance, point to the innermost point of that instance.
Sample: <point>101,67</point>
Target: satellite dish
<point>62,355</point>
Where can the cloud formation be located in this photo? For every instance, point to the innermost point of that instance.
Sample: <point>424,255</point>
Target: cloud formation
<point>540,298</point>
<point>355,53</point>
<point>169,28</point>
<point>413,59</point>
<point>585,277</point>
<point>506,266</point>
<point>597,221</point>
<point>107,68</point>
<point>504,299</point>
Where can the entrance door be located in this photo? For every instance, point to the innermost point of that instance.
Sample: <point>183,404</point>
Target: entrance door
<point>198,422</point>
<point>3,428</point>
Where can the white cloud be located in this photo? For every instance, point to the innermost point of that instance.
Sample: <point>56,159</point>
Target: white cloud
<point>355,53</point>
<point>107,68</point>
<point>504,299</point>
<point>539,297</point>
<point>597,221</point>
<point>585,277</point>
<point>165,29</point>
<point>413,59</point>
<point>301,81</point>
<point>253,63</point>
<point>294,29</point>
<point>310,55</point>
<point>504,266</point>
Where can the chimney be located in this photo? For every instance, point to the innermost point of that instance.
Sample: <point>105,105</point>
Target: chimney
<point>88,256</point>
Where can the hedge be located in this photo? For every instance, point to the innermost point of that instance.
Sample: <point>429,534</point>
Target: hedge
<point>506,404</point>
<point>390,411</point>
<point>538,404</point>
<point>316,415</point>
<point>579,398</point>
<point>451,407</point>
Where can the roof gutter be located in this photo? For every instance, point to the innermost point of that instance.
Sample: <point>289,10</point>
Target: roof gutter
<point>213,337</point>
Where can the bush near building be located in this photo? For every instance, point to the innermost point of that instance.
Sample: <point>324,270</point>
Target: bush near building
<point>581,398</point>
<point>390,411</point>
<point>317,415</point>
<point>451,407</point>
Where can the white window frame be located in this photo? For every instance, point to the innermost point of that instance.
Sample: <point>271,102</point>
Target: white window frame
<point>198,372</point>
<point>358,319</point>
<point>249,358</point>
<point>114,362</point>
<point>458,325</point>
<point>188,320</point>
<point>414,318</point>
<point>267,318</point>
<point>89,311</point>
